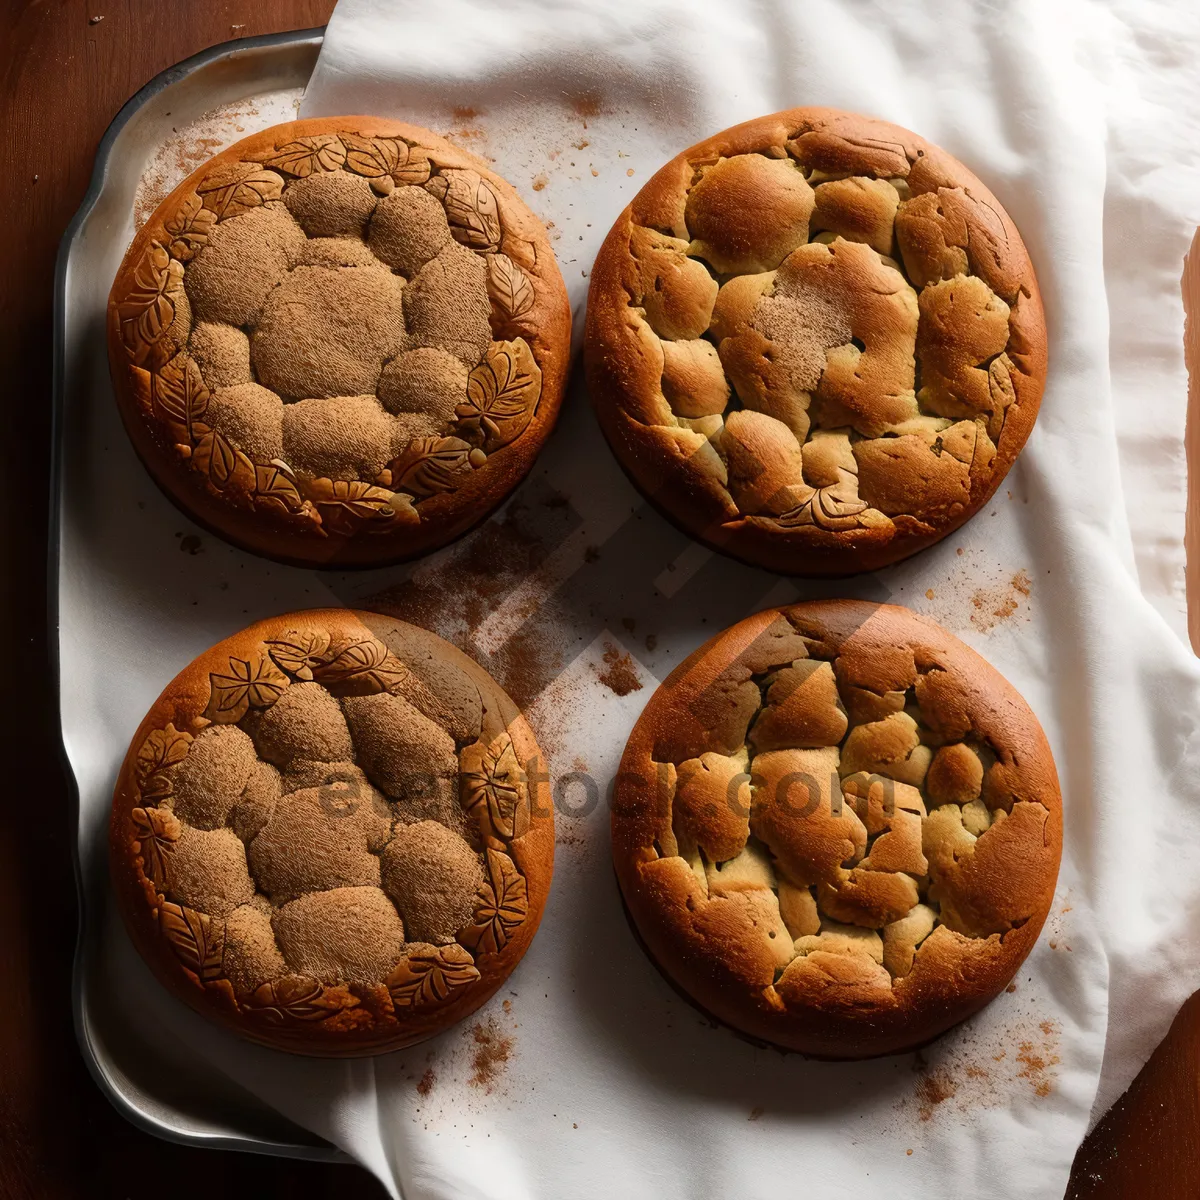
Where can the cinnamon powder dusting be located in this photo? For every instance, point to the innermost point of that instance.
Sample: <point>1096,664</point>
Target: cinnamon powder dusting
<point>933,1089</point>
<point>995,605</point>
<point>457,597</point>
<point>985,1071</point>
<point>618,675</point>
<point>492,1052</point>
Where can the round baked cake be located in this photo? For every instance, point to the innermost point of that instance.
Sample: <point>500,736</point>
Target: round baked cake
<point>816,342</point>
<point>329,834</point>
<point>837,828</point>
<point>340,342</point>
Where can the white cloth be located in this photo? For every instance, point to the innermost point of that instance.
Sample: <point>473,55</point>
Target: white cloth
<point>1082,118</point>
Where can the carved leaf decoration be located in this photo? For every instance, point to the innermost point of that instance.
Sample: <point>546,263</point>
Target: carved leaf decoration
<point>216,458</point>
<point>148,308</point>
<point>360,668</point>
<point>308,156</point>
<point>290,998</point>
<point>374,157</point>
<point>179,393</point>
<point>428,976</point>
<point>189,228</point>
<point>415,169</point>
<point>500,906</point>
<point>836,507</point>
<point>162,748</point>
<point>493,783</point>
<point>274,488</point>
<point>509,287</point>
<point>248,683</point>
<point>230,191</point>
<point>502,394</point>
<point>344,504</point>
<point>158,830</point>
<point>471,208</point>
<point>431,464</point>
<point>299,653</point>
<point>197,939</point>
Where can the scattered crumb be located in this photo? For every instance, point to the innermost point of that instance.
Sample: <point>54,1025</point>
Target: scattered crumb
<point>755,1113</point>
<point>1012,987</point>
<point>629,172</point>
<point>539,182</point>
<point>190,544</point>
<point>95,20</point>
<point>929,593</point>
<point>492,1053</point>
<point>1037,1062</point>
<point>651,642</point>
<point>619,674</point>
<point>995,605</point>
<point>464,113</point>
<point>425,1086</point>
<point>507,1006</point>
<point>582,144</point>
<point>932,1090</point>
<point>591,554</point>
<point>959,550</point>
<point>587,105</point>
<point>908,1152</point>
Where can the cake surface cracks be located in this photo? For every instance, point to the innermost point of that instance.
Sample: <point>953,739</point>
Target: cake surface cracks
<point>848,808</point>
<point>834,351</point>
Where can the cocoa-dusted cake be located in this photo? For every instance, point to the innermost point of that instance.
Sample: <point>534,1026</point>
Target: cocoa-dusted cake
<point>837,828</point>
<point>331,834</point>
<point>816,342</point>
<point>340,342</point>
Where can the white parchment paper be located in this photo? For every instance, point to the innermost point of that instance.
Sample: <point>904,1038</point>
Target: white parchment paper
<point>587,1075</point>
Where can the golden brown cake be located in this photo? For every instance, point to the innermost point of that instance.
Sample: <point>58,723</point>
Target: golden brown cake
<point>837,828</point>
<point>329,834</point>
<point>816,342</point>
<point>340,342</point>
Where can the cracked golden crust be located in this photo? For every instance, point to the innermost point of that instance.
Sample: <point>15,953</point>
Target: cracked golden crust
<point>431,493</point>
<point>392,990</point>
<point>819,305</point>
<point>845,930</point>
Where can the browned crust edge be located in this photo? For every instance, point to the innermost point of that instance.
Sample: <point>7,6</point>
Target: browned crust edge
<point>944,987</point>
<point>181,703</point>
<point>655,465</point>
<point>445,517</point>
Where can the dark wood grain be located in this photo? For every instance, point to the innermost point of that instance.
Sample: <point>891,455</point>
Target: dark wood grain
<point>1148,1143</point>
<point>63,77</point>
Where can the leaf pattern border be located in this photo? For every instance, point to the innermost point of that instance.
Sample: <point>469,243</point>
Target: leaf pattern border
<point>471,203</point>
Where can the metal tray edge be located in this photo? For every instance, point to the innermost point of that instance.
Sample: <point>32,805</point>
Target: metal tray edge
<point>123,1104</point>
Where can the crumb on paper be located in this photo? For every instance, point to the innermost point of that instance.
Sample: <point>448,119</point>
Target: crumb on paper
<point>425,1086</point>
<point>998,604</point>
<point>933,1089</point>
<point>492,1053</point>
<point>618,675</point>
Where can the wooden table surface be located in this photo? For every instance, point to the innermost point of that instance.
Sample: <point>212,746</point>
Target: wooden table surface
<point>66,67</point>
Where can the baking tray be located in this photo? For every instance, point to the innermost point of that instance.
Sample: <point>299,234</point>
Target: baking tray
<point>577,597</point>
<point>180,117</point>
